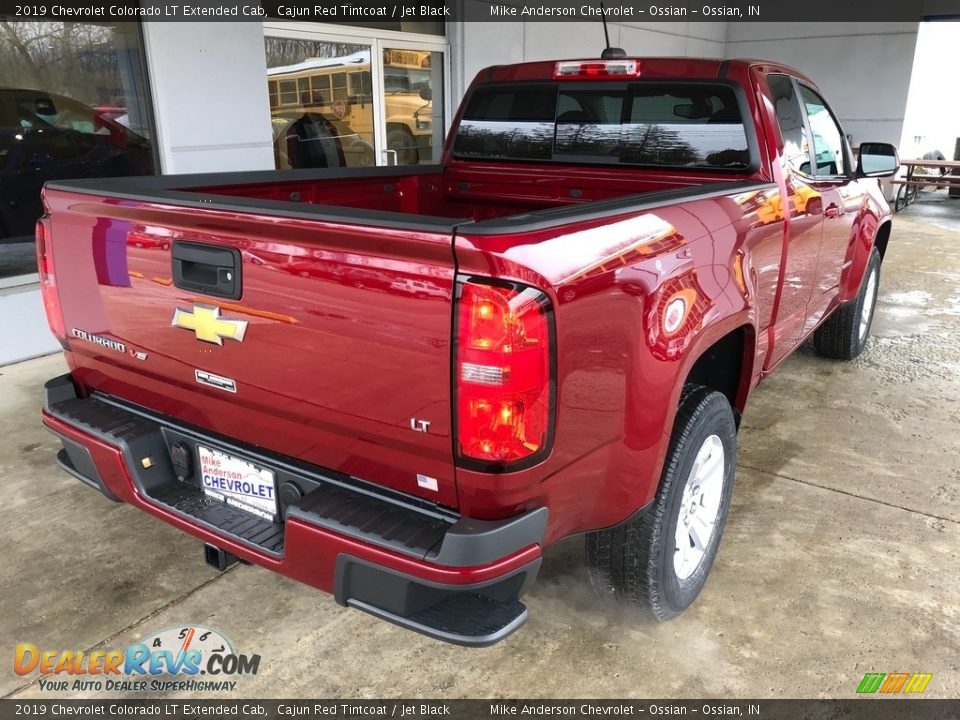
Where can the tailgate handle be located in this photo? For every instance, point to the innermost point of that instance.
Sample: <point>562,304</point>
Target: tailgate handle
<point>207,269</point>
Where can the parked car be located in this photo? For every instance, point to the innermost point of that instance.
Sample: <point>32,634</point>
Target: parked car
<point>112,112</point>
<point>50,137</point>
<point>569,315</point>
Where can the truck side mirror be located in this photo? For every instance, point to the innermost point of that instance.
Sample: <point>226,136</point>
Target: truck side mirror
<point>877,160</point>
<point>426,94</point>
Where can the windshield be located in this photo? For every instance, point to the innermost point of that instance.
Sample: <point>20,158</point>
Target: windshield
<point>399,80</point>
<point>679,125</point>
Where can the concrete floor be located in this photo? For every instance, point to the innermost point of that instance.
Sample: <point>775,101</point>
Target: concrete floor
<point>840,556</point>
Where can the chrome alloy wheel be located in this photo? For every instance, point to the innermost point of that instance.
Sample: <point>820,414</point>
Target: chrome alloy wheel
<point>869,300</point>
<point>699,507</point>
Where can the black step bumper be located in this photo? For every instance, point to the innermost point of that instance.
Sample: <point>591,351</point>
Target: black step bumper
<point>425,568</point>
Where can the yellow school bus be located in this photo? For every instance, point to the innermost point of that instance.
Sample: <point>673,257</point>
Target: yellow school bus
<point>342,87</point>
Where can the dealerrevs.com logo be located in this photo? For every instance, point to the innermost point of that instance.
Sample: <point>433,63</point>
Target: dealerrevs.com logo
<point>180,659</point>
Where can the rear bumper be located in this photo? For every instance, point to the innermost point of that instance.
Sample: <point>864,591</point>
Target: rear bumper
<point>453,578</point>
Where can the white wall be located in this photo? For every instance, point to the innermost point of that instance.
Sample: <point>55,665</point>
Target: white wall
<point>933,114</point>
<point>862,68</point>
<point>209,85</point>
<point>25,332</point>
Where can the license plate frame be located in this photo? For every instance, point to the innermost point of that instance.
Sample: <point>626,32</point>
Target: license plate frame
<point>238,482</point>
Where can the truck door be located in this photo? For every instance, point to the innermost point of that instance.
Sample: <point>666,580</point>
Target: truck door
<point>803,208</point>
<point>842,200</point>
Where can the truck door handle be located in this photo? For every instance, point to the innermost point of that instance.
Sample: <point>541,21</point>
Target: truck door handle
<point>208,269</point>
<point>832,211</point>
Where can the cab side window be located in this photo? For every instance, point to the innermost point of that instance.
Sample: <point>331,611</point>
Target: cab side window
<point>828,141</point>
<point>796,142</point>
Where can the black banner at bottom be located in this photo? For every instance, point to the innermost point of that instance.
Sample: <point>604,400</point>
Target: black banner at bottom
<point>853,709</point>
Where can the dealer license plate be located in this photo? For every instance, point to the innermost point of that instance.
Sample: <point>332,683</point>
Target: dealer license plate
<point>238,483</point>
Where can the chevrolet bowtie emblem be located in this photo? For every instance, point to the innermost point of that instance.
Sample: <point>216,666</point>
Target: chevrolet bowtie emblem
<point>206,323</point>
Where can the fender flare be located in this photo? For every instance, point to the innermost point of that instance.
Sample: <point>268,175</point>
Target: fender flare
<point>739,321</point>
<point>867,237</point>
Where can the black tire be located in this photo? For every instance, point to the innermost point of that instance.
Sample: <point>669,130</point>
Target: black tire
<point>401,140</point>
<point>841,336</point>
<point>633,563</point>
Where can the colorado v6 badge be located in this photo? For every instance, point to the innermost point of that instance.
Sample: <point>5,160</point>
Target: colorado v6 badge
<point>207,325</point>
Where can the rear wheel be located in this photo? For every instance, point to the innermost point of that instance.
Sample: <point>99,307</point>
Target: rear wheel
<point>845,333</point>
<point>659,562</point>
<point>400,140</point>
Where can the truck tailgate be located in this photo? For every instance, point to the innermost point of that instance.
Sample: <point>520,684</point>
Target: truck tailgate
<point>335,349</point>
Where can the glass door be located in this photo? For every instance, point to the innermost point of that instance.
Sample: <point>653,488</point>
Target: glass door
<point>413,102</point>
<point>353,101</point>
<point>321,102</point>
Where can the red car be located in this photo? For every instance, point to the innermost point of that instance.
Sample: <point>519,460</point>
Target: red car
<point>617,252</point>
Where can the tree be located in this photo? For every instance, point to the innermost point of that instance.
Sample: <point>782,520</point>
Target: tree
<point>291,51</point>
<point>76,59</point>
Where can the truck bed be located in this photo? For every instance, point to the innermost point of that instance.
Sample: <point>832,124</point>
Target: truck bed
<point>421,197</point>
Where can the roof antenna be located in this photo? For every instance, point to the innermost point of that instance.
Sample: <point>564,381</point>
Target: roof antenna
<point>609,53</point>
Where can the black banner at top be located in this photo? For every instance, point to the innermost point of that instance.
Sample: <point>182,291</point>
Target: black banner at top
<point>392,12</point>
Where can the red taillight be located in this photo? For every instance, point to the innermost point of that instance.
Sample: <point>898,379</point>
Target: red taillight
<point>596,69</point>
<point>48,286</point>
<point>504,374</point>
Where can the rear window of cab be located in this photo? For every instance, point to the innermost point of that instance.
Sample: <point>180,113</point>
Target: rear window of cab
<point>671,125</point>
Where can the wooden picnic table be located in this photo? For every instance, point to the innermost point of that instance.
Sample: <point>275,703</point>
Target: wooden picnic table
<point>911,183</point>
<point>932,163</point>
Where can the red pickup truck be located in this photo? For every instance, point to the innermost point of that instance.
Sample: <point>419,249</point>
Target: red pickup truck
<point>400,384</point>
